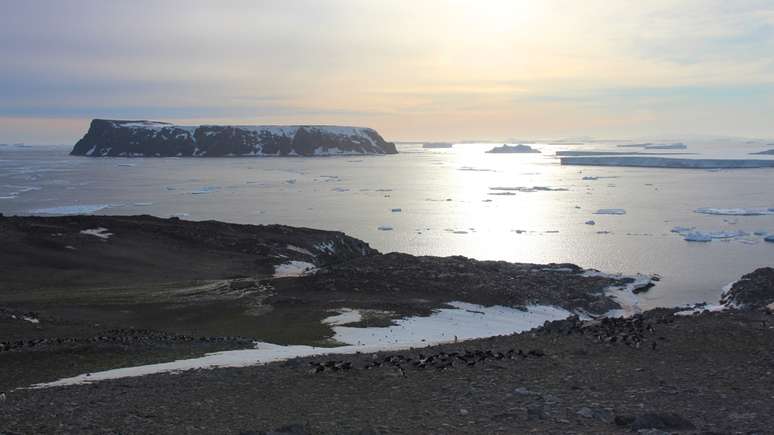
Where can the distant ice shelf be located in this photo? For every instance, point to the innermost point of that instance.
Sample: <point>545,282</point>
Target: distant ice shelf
<point>664,162</point>
<point>736,211</point>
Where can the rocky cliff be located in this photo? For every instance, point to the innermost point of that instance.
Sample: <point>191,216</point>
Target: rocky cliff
<point>159,139</point>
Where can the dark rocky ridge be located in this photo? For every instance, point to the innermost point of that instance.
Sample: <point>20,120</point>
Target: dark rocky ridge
<point>753,291</point>
<point>157,139</point>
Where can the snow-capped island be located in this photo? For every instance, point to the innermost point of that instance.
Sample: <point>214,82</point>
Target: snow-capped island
<point>513,149</point>
<point>110,138</point>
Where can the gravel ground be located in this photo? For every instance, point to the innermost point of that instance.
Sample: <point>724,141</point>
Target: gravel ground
<point>710,373</point>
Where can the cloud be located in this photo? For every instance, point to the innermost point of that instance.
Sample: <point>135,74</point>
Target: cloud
<point>438,62</point>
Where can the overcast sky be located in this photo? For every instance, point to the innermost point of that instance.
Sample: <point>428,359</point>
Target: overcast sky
<point>412,69</point>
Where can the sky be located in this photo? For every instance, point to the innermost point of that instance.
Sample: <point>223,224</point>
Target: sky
<point>412,69</point>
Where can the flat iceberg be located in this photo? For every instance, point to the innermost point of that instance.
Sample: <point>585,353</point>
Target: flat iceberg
<point>513,149</point>
<point>615,211</point>
<point>691,234</point>
<point>736,211</point>
<point>666,162</point>
<point>671,146</point>
<point>529,189</point>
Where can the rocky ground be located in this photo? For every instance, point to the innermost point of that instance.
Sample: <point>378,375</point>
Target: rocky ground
<point>159,290</point>
<point>709,373</point>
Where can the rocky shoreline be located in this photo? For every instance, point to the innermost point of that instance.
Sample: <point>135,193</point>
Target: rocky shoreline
<point>158,290</point>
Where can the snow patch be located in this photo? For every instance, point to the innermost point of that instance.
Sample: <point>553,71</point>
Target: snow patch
<point>293,268</point>
<point>461,322</point>
<point>100,232</point>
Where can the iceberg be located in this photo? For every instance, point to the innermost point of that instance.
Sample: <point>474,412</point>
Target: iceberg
<point>515,149</point>
<point>615,211</point>
<point>736,211</point>
<point>671,146</point>
<point>667,162</point>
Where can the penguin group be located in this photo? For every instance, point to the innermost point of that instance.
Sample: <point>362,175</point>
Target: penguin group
<point>633,332</point>
<point>438,361</point>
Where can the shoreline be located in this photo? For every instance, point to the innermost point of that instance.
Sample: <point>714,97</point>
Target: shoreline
<point>104,305</point>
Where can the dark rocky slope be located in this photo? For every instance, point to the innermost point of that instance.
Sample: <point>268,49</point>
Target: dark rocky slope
<point>158,139</point>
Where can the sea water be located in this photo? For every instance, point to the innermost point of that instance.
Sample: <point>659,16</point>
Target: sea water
<point>537,212</point>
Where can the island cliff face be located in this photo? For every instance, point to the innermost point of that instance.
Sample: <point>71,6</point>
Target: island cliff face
<point>110,138</point>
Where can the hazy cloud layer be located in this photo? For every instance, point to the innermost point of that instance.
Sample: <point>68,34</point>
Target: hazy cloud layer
<point>412,69</point>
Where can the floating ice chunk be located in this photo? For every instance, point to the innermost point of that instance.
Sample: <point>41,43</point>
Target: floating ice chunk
<point>293,268</point>
<point>697,236</point>
<point>472,169</point>
<point>671,146</point>
<point>30,319</point>
<point>616,211</point>
<point>514,149</point>
<point>205,190</point>
<point>385,228</point>
<point>529,189</point>
<point>590,222</point>
<point>667,162</point>
<point>736,211</point>
<point>71,209</point>
<point>100,232</point>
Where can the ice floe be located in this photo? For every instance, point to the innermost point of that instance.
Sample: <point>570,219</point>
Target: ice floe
<point>614,211</point>
<point>666,162</point>
<point>385,228</point>
<point>71,209</point>
<point>100,232</point>
<point>293,268</point>
<point>513,149</point>
<point>204,190</point>
<point>691,234</point>
<point>736,211</point>
<point>529,189</point>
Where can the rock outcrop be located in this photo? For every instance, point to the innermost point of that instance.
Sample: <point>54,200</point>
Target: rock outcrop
<point>752,291</point>
<point>109,138</point>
